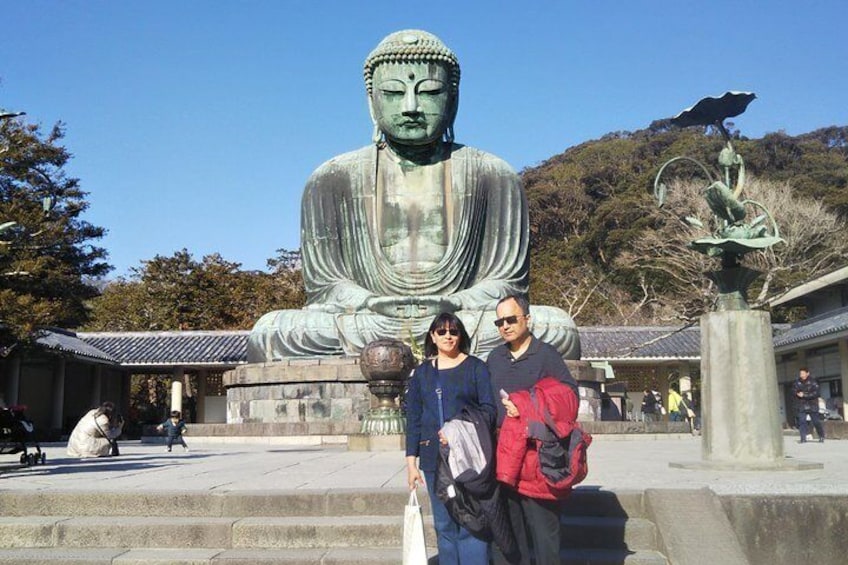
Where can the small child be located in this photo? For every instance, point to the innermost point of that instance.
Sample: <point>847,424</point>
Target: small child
<point>175,428</point>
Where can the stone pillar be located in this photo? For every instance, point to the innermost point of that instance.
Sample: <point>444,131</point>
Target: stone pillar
<point>741,420</point>
<point>13,381</point>
<point>96,385</point>
<point>58,394</point>
<point>589,380</point>
<point>177,389</point>
<point>843,370</point>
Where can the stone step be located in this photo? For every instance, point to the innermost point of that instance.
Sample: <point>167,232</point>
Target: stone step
<point>608,533</point>
<point>277,532</point>
<point>611,557</point>
<point>321,556</point>
<point>239,504</point>
<point>323,531</point>
<point>198,532</point>
<point>592,502</point>
<point>322,526</point>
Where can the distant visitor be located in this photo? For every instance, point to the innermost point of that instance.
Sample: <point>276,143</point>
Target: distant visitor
<point>409,226</point>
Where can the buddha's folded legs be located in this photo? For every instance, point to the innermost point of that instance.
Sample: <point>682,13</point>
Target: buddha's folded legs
<point>306,333</point>
<point>293,333</point>
<point>549,324</point>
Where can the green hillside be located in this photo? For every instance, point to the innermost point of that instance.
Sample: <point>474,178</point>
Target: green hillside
<point>603,250</point>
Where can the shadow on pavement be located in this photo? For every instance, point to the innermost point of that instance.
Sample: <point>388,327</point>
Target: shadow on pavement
<point>68,465</point>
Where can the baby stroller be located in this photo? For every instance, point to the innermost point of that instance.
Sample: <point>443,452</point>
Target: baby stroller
<point>16,435</point>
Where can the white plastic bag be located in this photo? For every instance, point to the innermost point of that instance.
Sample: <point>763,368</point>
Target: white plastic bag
<point>414,551</point>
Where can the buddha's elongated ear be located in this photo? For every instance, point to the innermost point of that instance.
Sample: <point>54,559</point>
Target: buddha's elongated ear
<point>449,133</point>
<point>377,135</point>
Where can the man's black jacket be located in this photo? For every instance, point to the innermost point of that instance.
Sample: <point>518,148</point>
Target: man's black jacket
<point>809,389</point>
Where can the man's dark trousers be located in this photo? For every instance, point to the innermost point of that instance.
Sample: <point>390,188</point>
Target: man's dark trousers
<point>542,519</point>
<point>802,424</point>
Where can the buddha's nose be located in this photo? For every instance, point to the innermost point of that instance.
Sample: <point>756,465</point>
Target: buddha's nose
<point>410,103</point>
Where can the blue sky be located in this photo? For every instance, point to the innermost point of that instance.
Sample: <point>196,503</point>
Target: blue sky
<point>196,124</point>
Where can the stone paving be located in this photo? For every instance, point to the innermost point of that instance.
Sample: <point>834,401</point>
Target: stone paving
<point>618,463</point>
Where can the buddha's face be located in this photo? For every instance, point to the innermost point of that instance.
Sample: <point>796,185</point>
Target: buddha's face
<point>412,102</point>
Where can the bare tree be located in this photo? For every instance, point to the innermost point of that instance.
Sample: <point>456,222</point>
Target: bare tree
<point>815,243</point>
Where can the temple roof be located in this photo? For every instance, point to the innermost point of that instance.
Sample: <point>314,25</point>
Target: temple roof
<point>826,326</point>
<point>173,347</point>
<point>65,341</point>
<point>609,343</point>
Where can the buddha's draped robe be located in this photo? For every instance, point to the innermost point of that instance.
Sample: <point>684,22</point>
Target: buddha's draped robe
<point>486,258</point>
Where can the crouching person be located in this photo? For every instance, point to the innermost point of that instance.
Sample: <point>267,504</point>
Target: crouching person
<point>96,434</point>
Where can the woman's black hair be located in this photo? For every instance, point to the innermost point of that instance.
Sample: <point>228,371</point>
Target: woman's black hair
<point>107,408</point>
<point>448,321</point>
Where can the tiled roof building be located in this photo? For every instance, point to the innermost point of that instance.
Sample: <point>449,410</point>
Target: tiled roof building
<point>166,349</point>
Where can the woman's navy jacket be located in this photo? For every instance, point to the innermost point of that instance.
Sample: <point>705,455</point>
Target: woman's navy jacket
<point>467,384</point>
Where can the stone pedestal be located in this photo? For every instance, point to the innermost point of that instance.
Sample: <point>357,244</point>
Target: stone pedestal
<point>298,391</point>
<point>740,406</point>
<point>332,391</point>
<point>589,381</point>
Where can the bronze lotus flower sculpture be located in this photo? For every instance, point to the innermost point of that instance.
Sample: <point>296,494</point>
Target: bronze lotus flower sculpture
<point>734,234</point>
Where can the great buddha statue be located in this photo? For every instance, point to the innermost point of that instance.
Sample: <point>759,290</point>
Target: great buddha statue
<point>412,225</point>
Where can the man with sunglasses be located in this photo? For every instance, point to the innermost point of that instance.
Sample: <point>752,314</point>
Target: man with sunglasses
<point>516,365</point>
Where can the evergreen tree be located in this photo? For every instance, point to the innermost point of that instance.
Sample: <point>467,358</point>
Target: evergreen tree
<point>47,258</point>
<point>181,293</point>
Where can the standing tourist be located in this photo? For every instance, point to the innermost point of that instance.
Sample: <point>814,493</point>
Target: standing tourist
<point>447,381</point>
<point>675,413</point>
<point>806,391</point>
<point>687,411</point>
<point>651,405</point>
<point>517,365</point>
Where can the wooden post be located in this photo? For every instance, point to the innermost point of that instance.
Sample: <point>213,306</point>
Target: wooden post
<point>58,395</point>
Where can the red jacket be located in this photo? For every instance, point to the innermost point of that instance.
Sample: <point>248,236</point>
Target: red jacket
<point>517,455</point>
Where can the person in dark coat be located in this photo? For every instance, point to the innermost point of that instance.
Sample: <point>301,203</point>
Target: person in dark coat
<point>465,479</point>
<point>651,404</point>
<point>806,391</point>
<point>448,381</point>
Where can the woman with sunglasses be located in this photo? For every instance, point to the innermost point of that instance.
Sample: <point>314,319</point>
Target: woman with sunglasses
<point>447,381</point>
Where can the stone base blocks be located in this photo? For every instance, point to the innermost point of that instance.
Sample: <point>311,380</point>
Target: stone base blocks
<point>332,392</point>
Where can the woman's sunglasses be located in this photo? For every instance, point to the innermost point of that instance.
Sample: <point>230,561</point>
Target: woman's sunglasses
<point>442,331</point>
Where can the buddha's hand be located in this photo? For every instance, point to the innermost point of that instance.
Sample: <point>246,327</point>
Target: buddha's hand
<point>330,308</point>
<point>412,306</point>
<point>428,306</point>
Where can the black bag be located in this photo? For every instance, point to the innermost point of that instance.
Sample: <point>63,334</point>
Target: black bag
<point>113,450</point>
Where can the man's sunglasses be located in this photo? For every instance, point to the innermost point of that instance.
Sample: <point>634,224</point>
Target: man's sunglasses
<point>442,331</point>
<point>511,320</point>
